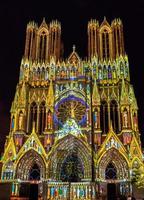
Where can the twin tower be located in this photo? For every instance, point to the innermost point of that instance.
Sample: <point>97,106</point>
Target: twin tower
<point>74,122</point>
<point>105,41</point>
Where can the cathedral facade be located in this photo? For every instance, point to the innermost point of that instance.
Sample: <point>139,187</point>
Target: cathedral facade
<point>74,122</point>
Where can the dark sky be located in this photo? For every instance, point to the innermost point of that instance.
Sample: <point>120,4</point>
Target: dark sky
<point>73,16</point>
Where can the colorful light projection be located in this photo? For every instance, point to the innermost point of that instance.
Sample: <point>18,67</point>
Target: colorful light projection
<point>70,127</point>
<point>70,107</point>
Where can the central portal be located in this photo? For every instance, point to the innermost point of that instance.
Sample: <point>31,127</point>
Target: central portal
<point>72,169</point>
<point>111,191</point>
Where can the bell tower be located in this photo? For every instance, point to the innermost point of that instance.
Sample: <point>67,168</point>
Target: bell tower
<point>105,41</point>
<point>74,121</point>
<point>43,42</point>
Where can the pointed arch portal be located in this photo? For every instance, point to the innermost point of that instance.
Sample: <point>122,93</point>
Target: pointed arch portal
<point>30,167</point>
<point>113,165</point>
<point>70,160</point>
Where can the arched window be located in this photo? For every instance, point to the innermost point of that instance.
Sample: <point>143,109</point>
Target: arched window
<point>38,73</point>
<point>33,115</point>
<point>114,115</point>
<point>42,117</point>
<point>104,117</point>
<point>42,45</point>
<point>34,74</point>
<point>113,72</point>
<point>110,172</point>
<point>109,72</point>
<point>43,74</point>
<point>47,74</point>
<point>126,71</point>
<point>104,73</point>
<point>105,44</point>
<point>30,42</point>
<point>58,72</point>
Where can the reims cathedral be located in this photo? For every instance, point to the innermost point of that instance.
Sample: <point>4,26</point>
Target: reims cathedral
<point>74,122</point>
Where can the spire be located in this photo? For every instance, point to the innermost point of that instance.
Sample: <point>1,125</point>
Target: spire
<point>124,93</point>
<point>95,94</point>
<point>22,99</point>
<point>74,57</point>
<point>50,97</point>
<point>105,23</point>
<point>74,48</point>
<point>104,18</point>
<point>44,24</point>
<point>103,95</point>
<point>43,20</point>
<point>15,102</point>
<point>132,98</point>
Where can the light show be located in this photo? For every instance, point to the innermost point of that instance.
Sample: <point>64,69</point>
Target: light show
<point>74,126</point>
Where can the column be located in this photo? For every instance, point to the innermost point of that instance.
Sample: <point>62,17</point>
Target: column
<point>119,124</point>
<point>108,115</point>
<point>98,118</point>
<point>77,192</point>
<point>13,189</point>
<point>37,122</point>
<point>28,119</point>
<point>48,192</point>
<point>17,189</point>
<point>86,192</point>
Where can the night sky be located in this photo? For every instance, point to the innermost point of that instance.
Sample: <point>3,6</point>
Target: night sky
<point>74,16</point>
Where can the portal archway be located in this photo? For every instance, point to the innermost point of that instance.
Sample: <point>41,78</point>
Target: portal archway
<point>70,151</point>
<point>31,166</point>
<point>115,162</point>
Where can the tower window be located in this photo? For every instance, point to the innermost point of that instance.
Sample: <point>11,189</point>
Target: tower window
<point>105,44</point>
<point>33,115</point>
<point>42,117</point>
<point>104,117</point>
<point>114,115</point>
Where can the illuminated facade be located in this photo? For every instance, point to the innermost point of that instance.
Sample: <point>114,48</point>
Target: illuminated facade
<point>74,122</point>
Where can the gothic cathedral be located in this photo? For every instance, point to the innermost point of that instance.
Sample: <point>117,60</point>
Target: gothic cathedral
<point>74,122</point>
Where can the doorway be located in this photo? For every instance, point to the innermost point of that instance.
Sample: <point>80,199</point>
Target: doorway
<point>33,194</point>
<point>111,191</point>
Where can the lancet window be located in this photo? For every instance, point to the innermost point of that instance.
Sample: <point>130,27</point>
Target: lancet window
<point>42,117</point>
<point>42,46</point>
<point>104,117</point>
<point>33,115</point>
<point>105,44</point>
<point>114,115</point>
